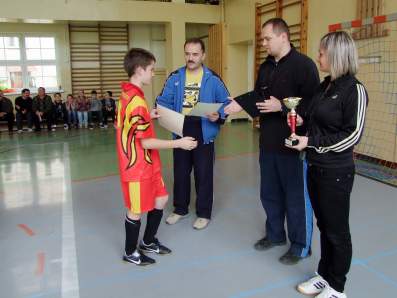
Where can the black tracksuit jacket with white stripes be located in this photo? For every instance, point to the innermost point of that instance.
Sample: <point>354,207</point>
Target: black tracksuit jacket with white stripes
<point>335,122</point>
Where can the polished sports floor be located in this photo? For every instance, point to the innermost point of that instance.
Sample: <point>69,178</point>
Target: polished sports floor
<point>62,226</point>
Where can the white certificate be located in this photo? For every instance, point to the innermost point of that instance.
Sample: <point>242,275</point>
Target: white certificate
<point>201,109</point>
<point>171,120</point>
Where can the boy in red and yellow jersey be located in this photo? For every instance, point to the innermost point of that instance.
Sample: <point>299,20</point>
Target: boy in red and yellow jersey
<point>139,161</point>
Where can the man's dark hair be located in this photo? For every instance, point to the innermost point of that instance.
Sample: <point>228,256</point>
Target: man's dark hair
<point>135,58</point>
<point>279,26</point>
<point>110,93</point>
<point>57,93</point>
<point>195,40</point>
<point>24,90</point>
<point>94,92</point>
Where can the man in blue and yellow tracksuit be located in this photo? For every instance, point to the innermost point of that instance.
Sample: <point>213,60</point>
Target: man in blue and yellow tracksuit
<point>183,89</point>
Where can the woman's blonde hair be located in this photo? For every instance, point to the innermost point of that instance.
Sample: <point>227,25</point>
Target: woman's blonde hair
<point>341,53</point>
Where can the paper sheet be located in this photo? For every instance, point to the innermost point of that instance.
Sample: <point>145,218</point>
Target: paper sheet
<point>171,120</point>
<point>201,109</point>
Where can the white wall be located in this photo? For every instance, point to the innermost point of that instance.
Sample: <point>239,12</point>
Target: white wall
<point>152,38</point>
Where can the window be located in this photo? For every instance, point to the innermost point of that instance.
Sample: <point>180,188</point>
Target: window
<point>27,62</point>
<point>9,48</point>
<point>40,48</point>
<point>11,77</point>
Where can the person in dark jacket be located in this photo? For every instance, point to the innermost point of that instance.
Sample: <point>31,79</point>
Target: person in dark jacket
<point>335,121</point>
<point>71,106</point>
<point>7,111</point>
<point>59,112</point>
<point>284,73</point>
<point>108,108</point>
<point>42,109</point>
<point>95,111</point>
<point>23,107</point>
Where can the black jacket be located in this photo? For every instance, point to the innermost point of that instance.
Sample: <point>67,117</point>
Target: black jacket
<point>293,75</point>
<point>44,104</point>
<point>59,107</point>
<point>24,104</point>
<point>112,104</point>
<point>335,122</point>
<point>6,105</point>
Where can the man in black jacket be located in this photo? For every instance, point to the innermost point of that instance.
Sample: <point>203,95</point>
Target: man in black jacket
<point>23,107</point>
<point>6,111</point>
<point>284,73</point>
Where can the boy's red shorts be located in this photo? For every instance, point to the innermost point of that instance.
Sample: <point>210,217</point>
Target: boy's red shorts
<point>140,196</point>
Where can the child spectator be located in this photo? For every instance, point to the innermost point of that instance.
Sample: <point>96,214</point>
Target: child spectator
<point>59,111</point>
<point>71,111</point>
<point>95,111</point>
<point>82,109</point>
<point>108,108</point>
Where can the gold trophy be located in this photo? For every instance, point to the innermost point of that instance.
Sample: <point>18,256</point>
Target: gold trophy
<point>291,103</point>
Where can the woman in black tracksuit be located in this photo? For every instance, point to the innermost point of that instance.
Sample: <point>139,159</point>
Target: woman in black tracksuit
<point>335,121</point>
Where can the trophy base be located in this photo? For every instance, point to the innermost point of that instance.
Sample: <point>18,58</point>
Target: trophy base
<point>291,142</point>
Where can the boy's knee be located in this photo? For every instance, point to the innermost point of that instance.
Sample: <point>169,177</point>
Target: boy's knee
<point>161,202</point>
<point>133,216</point>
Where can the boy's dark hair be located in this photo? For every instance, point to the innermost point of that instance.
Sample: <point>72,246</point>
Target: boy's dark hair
<point>24,90</point>
<point>279,26</point>
<point>195,40</point>
<point>94,92</point>
<point>70,95</point>
<point>110,93</point>
<point>57,93</point>
<point>137,57</point>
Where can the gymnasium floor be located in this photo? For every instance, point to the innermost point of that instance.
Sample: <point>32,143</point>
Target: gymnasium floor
<point>62,229</point>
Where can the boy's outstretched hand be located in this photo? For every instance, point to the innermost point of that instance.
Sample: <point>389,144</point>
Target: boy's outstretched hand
<point>154,114</point>
<point>213,117</point>
<point>187,143</point>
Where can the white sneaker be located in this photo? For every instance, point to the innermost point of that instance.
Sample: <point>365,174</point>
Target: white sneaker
<point>173,218</point>
<point>201,223</point>
<point>329,292</point>
<point>313,286</point>
<point>20,131</point>
<point>29,130</point>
